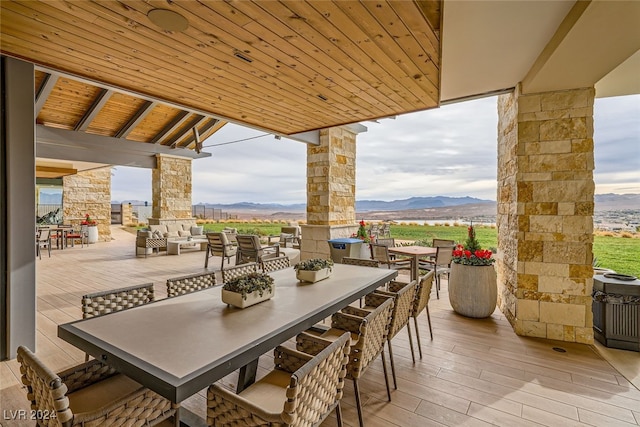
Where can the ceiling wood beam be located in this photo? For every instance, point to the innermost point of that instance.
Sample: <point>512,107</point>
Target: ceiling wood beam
<point>53,172</point>
<point>177,121</point>
<point>44,90</point>
<point>173,142</point>
<point>203,130</point>
<point>62,144</point>
<point>94,110</point>
<point>146,108</point>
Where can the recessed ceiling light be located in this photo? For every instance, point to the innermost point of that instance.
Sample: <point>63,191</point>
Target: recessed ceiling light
<point>168,19</point>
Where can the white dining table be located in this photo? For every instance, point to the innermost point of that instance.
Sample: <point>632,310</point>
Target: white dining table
<point>179,346</point>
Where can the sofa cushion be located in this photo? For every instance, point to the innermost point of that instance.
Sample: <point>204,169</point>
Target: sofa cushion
<point>174,227</point>
<point>183,233</point>
<point>197,231</point>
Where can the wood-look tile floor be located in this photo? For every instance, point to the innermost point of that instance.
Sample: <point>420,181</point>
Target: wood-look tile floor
<point>474,372</point>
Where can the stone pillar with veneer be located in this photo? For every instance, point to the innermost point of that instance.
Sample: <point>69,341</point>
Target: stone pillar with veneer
<point>545,213</point>
<point>331,185</point>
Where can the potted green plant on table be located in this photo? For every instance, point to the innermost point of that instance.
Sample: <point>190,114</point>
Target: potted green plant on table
<point>313,270</point>
<point>248,289</point>
<point>473,288</point>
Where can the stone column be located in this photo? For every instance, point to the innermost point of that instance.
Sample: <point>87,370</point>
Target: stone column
<point>171,181</point>
<point>545,213</point>
<point>331,188</point>
<point>88,192</point>
<point>126,210</point>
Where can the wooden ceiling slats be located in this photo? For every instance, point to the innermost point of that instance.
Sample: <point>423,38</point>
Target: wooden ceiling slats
<point>153,123</point>
<point>44,89</point>
<point>115,114</point>
<point>305,33</point>
<point>125,78</point>
<point>346,45</point>
<point>139,115</point>
<point>170,127</point>
<point>154,42</point>
<point>175,137</point>
<point>66,104</point>
<point>315,64</point>
<point>98,103</point>
<point>411,57</point>
<point>279,51</point>
<point>355,43</point>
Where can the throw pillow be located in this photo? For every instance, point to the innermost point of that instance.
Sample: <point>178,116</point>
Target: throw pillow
<point>170,234</point>
<point>183,233</point>
<point>157,234</point>
<point>197,231</point>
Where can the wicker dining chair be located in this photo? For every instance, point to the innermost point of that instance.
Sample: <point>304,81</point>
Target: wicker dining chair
<point>43,240</point>
<point>361,262</point>
<point>368,331</point>
<point>239,270</point>
<point>421,302</point>
<point>89,394</point>
<point>403,295</point>
<point>301,390</point>
<point>186,284</point>
<point>273,264</point>
<point>104,302</point>
<point>380,253</point>
<point>250,249</point>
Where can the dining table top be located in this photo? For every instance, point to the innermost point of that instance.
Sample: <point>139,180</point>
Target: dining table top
<point>413,250</point>
<point>178,346</point>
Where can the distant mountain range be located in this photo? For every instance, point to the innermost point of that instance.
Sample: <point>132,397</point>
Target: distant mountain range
<point>602,202</point>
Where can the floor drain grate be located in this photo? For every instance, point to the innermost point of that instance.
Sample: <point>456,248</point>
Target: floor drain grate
<point>559,349</point>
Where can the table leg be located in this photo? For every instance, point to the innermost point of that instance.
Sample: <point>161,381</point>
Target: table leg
<point>247,375</point>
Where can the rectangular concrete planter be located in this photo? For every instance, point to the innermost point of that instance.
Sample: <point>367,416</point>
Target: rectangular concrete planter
<point>235,299</point>
<point>313,276</point>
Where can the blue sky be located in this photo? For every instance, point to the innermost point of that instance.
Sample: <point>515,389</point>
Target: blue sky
<point>450,151</point>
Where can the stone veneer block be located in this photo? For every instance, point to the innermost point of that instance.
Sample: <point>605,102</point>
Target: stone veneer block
<point>172,188</point>
<point>528,310</point>
<point>563,314</point>
<point>89,192</point>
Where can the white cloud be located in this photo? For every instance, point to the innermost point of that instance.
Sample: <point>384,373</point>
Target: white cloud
<point>450,151</point>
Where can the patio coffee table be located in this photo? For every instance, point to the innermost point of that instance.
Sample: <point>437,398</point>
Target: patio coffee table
<point>173,246</point>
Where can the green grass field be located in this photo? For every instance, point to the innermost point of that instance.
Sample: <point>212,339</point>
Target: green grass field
<point>616,253</point>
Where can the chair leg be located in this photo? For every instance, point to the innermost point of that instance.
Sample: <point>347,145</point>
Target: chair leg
<point>415,322</point>
<point>206,258</point>
<point>49,249</point>
<point>386,374</point>
<point>358,403</point>
<point>393,366</point>
<point>413,356</point>
<point>437,285</point>
<point>429,319</point>
<point>339,415</point>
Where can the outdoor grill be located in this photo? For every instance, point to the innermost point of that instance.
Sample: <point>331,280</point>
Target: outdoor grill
<point>616,310</point>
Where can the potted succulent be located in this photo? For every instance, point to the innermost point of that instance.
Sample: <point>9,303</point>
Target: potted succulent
<point>248,289</point>
<point>313,270</point>
<point>473,287</point>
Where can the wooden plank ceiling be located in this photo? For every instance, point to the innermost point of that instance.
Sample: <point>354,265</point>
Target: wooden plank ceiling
<point>285,66</point>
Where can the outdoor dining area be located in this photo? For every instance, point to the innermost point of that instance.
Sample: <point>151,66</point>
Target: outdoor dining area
<point>337,348</point>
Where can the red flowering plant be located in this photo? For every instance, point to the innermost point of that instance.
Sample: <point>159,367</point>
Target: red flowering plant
<point>88,221</point>
<point>470,253</point>
<point>362,232</point>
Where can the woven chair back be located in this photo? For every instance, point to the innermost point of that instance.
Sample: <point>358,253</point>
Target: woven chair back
<point>186,284</point>
<point>239,270</point>
<point>217,242</point>
<point>373,334</point>
<point>423,293</point>
<point>44,235</point>
<point>45,389</point>
<point>404,295</point>
<point>316,387</point>
<point>104,302</point>
<point>389,242</point>
<point>361,262</point>
<point>273,264</point>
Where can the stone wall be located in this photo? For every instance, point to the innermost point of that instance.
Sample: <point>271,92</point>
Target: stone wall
<point>127,214</point>
<point>171,188</point>
<point>331,186</point>
<point>89,192</point>
<point>545,176</point>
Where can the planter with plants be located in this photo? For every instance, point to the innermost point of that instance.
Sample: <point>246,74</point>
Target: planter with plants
<point>313,270</point>
<point>473,289</point>
<point>248,289</point>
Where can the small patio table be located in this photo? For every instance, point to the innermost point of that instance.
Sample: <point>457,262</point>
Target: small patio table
<point>178,346</point>
<point>415,252</point>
